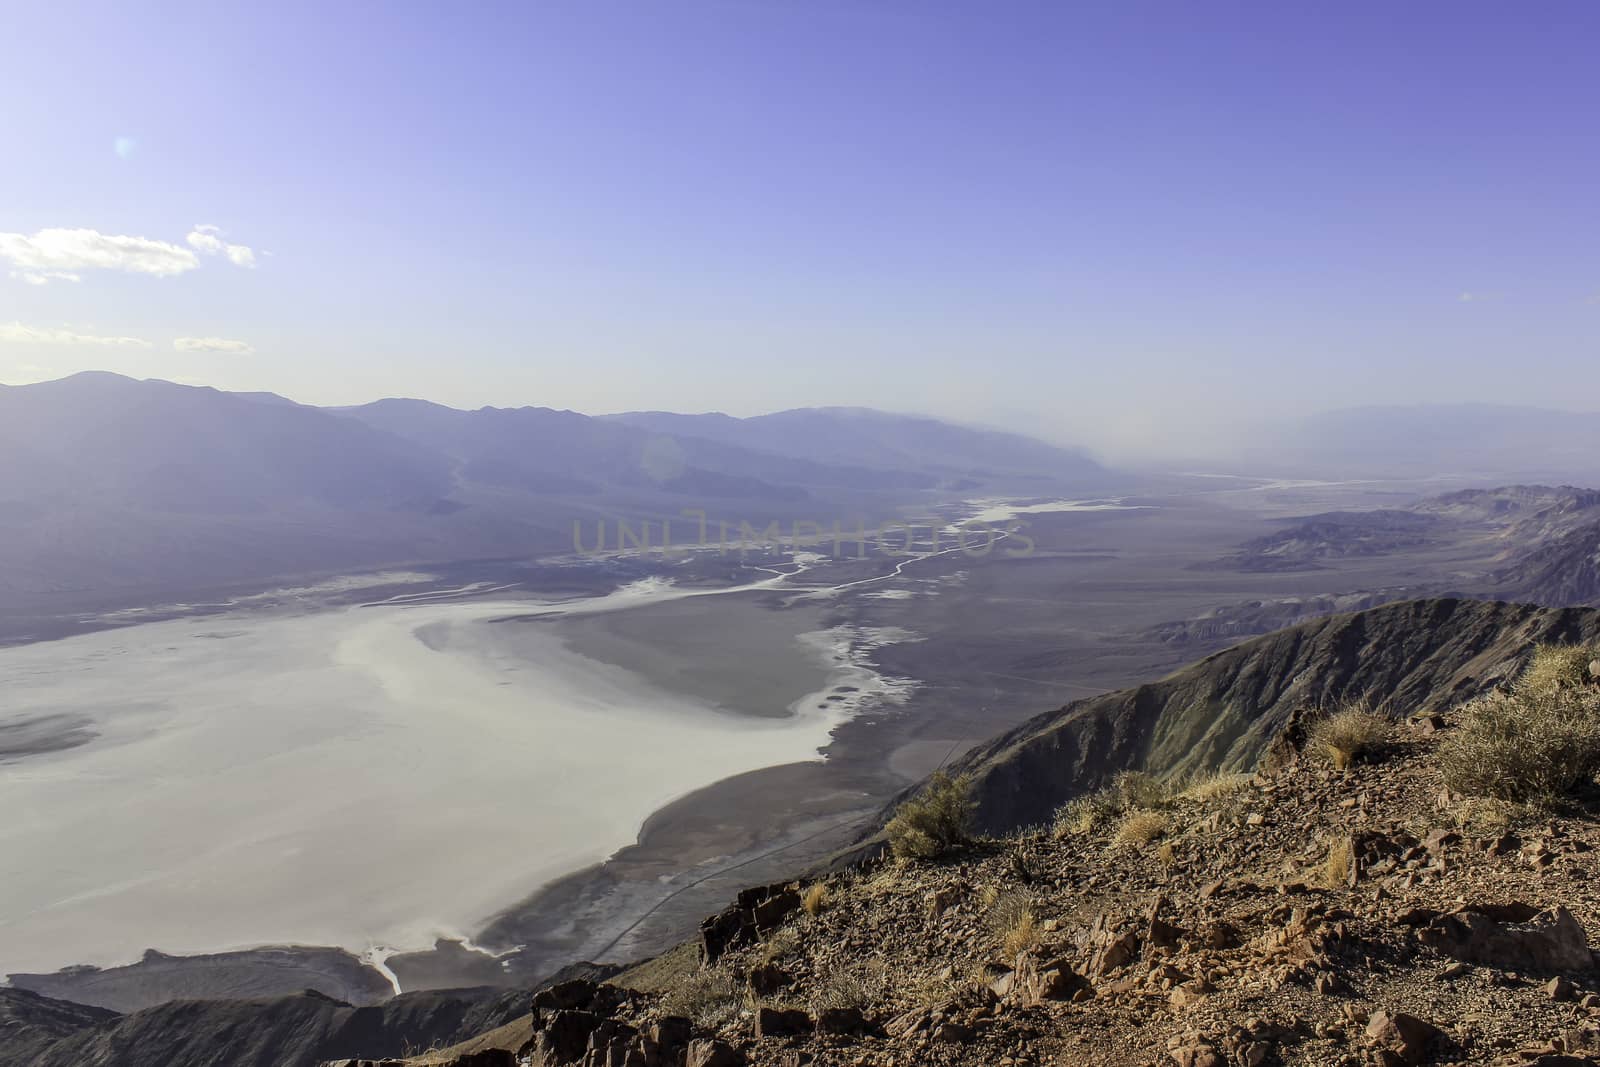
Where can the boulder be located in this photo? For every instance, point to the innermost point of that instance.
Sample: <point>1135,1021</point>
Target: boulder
<point>754,913</point>
<point>1511,937</point>
<point>565,1039</point>
<point>1406,1036</point>
<point>1036,981</point>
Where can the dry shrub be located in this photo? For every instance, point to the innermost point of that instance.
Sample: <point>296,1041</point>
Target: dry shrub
<point>1085,814</point>
<point>934,821</point>
<point>1137,829</point>
<point>1128,791</point>
<point>1533,745</point>
<point>1216,786</point>
<point>815,899</point>
<point>1352,733</point>
<point>782,943</point>
<point>1166,855</point>
<point>1556,668</point>
<point>1014,924</point>
<point>849,987</point>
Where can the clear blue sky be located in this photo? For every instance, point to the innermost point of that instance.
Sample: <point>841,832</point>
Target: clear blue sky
<point>1106,219</point>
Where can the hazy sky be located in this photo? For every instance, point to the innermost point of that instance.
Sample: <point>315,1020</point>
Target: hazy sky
<point>1105,219</point>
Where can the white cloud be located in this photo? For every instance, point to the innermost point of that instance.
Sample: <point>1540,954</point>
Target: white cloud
<point>212,344</point>
<point>208,239</point>
<point>17,333</point>
<point>44,277</point>
<point>57,253</point>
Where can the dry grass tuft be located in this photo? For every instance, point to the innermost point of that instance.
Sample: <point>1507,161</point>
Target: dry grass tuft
<point>1534,745</point>
<point>1014,924</point>
<point>1350,734</point>
<point>712,998</point>
<point>934,821</point>
<point>1139,828</point>
<point>1336,871</point>
<point>815,899</point>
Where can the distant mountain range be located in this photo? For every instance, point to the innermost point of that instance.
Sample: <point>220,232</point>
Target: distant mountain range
<point>1534,527</point>
<point>107,482</point>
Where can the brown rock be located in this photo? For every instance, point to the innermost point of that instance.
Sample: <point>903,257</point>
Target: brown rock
<point>1560,988</point>
<point>671,1034</point>
<point>1404,1035</point>
<point>782,1022</point>
<point>1440,839</point>
<point>908,1023</point>
<point>565,1039</point>
<point>1197,1056</point>
<point>1511,937</point>
<point>841,1021</point>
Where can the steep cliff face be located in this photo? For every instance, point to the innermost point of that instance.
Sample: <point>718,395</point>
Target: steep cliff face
<point>1223,711</point>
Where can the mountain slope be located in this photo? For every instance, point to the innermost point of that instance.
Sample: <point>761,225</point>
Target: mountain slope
<point>1563,571</point>
<point>1224,711</point>
<point>175,448</point>
<point>289,1032</point>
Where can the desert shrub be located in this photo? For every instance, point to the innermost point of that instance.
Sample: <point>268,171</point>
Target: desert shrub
<point>1138,828</point>
<point>1128,791</point>
<point>1013,924</point>
<point>815,899</point>
<point>1086,814</point>
<point>1533,745</point>
<point>934,821</point>
<point>1555,668</point>
<point>711,998</point>
<point>1215,786</point>
<point>1350,734</point>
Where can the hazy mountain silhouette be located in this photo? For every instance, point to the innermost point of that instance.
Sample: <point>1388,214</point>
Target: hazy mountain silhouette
<point>108,482</point>
<point>877,439</point>
<point>1487,442</point>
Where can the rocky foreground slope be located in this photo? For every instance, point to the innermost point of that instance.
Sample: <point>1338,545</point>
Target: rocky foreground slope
<point>1297,915</point>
